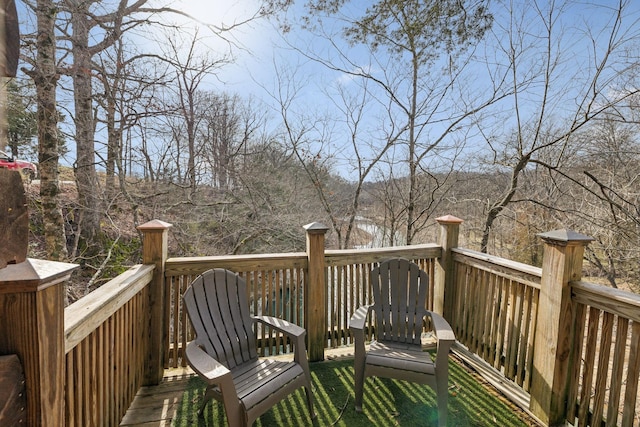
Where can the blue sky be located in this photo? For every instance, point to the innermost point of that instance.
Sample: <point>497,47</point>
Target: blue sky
<point>262,59</point>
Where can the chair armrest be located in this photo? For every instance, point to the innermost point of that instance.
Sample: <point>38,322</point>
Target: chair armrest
<point>441,328</point>
<point>444,336</point>
<point>295,333</point>
<point>358,319</point>
<point>204,365</point>
<point>215,374</point>
<point>283,326</point>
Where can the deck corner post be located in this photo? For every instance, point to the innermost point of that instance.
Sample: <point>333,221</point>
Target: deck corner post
<point>444,276</point>
<point>154,251</point>
<point>32,295</point>
<point>315,292</point>
<point>561,264</point>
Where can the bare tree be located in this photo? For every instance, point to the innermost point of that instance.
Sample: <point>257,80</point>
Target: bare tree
<point>419,55</point>
<point>191,68</point>
<point>86,23</point>
<point>310,136</point>
<point>556,91</point>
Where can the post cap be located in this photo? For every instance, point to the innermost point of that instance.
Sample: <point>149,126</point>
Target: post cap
<point>449,219</point>
<point>34,275</point>
<point>315,228</point>
<point>565,236</point>
<point>154,224</point>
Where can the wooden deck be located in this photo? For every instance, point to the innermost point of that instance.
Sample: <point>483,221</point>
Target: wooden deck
<point>156,406</point>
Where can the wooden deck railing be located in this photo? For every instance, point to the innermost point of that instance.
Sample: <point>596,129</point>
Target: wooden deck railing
<point>277,284</point>
<point>494,311</point>
<point>348,285</point>
<point>542,333</point>
<point>606,357</point>
<point>106,346</point>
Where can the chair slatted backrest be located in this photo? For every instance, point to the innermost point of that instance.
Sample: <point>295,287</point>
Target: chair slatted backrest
<point>218,308</point>
<point>400,297</point>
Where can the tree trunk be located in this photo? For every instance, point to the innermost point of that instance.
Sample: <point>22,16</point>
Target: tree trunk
<point>86,176</point>
<point>500,205</point>
<point>411,204</point>
<point>45,79</point>
<point>113,146</point>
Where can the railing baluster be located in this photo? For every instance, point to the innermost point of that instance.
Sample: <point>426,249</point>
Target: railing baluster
<point>604,352</point>
<point>593,324</point>
<point>622,328</point>
<point>633,374</point>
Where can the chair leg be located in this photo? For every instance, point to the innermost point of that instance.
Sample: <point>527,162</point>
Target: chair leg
<point>208,395</point>
<point>359,383</point>
<point>443,395</point>
<point>202,405</point>
<point>309,393</point>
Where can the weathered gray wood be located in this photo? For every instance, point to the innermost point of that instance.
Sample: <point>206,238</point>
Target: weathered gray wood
<point>400,301</point>
<point>13,400</point>
<point>14,220</point>
<point>224,350</point>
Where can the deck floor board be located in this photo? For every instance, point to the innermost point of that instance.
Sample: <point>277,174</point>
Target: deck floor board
<point>155,406</point>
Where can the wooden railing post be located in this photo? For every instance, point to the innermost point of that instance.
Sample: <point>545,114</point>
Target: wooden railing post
<point>443,280</point>
<point>561,264</point>
<point>154,251</point>
<point>32,326</point>
<point>315,299</point>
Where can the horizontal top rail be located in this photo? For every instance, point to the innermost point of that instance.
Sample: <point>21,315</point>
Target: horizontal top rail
<point>196,265</point>
<point>83,316</point>
<point>616,301</point>
<point>512,270</point>
<point>351,256</point>
<point>179,266</point>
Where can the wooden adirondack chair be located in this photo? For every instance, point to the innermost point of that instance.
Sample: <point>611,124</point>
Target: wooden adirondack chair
<point>400,296</point>
<point>224,350</point>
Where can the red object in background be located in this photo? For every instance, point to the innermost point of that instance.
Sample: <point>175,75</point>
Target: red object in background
<point>6,161</point>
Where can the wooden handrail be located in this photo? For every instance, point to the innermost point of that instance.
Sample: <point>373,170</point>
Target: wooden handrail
<point>512,270</point>
<point>615,301</point>
<point>361,256</point>
<point>83,317</point>
<point>196,265</point>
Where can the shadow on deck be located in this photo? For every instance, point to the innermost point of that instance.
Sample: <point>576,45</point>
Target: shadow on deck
<point>156,406</point>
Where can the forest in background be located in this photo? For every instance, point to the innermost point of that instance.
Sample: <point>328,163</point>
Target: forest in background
<point>516,119</point>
